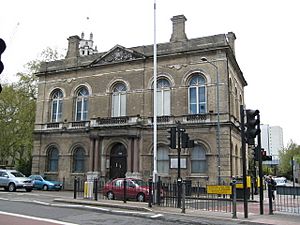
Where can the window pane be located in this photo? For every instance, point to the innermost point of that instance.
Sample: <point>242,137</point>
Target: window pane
<point>79,161</point>
<point>167,102</point>
<point>159,102</point>
<point>123,105</point>
<point>115,105</point>
<point>163,160</point>
<point>53,160</point>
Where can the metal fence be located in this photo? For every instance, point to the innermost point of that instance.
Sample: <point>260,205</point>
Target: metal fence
<point>195,197</point>
<point>287,199</point>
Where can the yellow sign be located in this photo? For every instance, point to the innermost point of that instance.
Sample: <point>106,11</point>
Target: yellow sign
<point>219,189</point>
<point>248,183</point>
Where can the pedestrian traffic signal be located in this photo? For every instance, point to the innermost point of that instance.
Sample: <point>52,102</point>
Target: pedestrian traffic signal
<point>252,126</point>
<point>265,157</point>
<point>2,48</point>
<point>186,142</point>
<point>172,137</point>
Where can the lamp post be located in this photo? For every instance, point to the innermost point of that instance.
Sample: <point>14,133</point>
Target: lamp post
<point>204,59</point>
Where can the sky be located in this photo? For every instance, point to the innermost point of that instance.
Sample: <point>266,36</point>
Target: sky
<point>267,45</point>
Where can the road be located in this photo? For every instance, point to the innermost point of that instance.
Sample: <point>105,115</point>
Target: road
<point>35,204</point>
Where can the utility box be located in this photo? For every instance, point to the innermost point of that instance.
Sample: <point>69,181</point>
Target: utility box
<point>88,189</point>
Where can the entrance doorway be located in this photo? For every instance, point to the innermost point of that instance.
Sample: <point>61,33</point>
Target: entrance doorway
<point>118,161</point>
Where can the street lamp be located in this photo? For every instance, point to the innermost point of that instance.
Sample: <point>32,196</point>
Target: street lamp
<point>204,59</point>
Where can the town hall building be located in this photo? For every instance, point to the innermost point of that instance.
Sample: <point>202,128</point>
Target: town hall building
<point>95,110</point>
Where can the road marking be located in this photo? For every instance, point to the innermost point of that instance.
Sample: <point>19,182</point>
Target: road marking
<point>157,215</point>
<point>37,218</point>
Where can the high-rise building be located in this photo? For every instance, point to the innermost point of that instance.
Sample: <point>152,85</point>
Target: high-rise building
<point>272,139</point>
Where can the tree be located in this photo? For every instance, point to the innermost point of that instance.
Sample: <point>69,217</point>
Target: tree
<point>285,156</point>
<point>17,115</point>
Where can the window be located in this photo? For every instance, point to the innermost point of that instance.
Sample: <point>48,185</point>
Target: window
<point>197,95</point>
<point>53,159</point>
<point>78,160</point>
<point>163,98</point>
<point>82,104</point>
<point>163,160</point>
<point>198,160</point>
<point>119,100</point>
<point>56,106</point>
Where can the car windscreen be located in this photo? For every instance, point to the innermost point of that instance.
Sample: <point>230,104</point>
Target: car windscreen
<point>17,174</point>
<point>140,183</point>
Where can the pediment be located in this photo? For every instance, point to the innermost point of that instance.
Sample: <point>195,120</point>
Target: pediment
<point>117,54</point>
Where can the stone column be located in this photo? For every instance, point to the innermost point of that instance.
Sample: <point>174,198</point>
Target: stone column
<point>96,156</point>
<point>136,155</point>
<point>129,156</point>
<point>91,159</point>
<point>102,159</point>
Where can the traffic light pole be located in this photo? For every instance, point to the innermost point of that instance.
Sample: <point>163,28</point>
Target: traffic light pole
<point>260,172</point>
<point>178,165</point>
<point>242,113</point>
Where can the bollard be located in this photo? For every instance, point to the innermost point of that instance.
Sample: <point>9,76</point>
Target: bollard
<point>124,190</point>
<point>183,197</point>
<point>96,189</point>
<point>234,216</point>
<point>75,187</point>
<point>150,193</point>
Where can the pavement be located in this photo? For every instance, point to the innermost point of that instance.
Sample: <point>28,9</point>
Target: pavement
<point>141,209</point>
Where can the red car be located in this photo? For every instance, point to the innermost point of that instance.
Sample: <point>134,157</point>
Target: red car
<point>135,189</point>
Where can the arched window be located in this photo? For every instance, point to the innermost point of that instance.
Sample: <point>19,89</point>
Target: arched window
<point>163,160</point>
<point>119,100</point>
<point>56,105</point>
<point>78,160</point>
<point>163,98</point>
<point>82,103</point>
<point>198,160</point>
<point>197,94</point>
<point>52,159</point>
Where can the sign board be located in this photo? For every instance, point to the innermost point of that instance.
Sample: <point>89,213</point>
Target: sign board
<point>219,189</point>
<point>174,163</point>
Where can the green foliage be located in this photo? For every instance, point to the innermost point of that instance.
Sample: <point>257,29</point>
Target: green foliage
<point>285,156</point>
<point>17,115</point>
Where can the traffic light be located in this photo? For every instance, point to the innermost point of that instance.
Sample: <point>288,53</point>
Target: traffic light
<point>252,126</point>
<point>2,48</point>
<point>186,142</point>
<point>255,153</point>
<point>265,157</point>
<point>172,137</point>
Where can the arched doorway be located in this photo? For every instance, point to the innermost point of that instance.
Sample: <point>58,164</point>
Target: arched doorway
<point>118,161</point>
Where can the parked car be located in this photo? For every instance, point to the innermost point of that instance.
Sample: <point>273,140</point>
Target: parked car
<point>135,189</point>
<point>39,182</point>
<point>11,180</point>
<point>280,181</point>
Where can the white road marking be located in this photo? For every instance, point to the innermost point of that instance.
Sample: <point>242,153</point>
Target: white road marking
<point>37,218</point>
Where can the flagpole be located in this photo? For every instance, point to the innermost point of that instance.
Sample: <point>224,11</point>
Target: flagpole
<point>155,99</point>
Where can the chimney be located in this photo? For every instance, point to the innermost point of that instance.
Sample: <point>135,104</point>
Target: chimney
<point>73,47</point>
<point>178,28</point>
<point>231,39</point>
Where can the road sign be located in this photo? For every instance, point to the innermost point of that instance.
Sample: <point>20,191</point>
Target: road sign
<point>219,189</point>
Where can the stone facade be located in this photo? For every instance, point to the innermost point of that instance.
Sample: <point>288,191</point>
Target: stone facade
<point>95,112</point>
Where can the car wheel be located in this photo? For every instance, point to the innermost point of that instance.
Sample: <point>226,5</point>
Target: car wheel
<point>45,188</point>
<point>11,187</point>
<point>110,195</point>
<point>140,197</point>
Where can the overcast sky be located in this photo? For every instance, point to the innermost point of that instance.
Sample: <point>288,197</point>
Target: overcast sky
<point>267,45</point>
